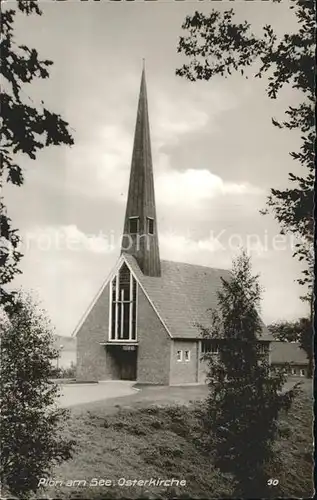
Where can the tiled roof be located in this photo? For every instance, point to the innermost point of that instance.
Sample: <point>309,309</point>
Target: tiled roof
<point>183,294</point>
<point>288,352</point>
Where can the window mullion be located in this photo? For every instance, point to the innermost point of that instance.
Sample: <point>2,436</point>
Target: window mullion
<point>122,314</point>
<point>130,306</point>
<point>110,309</point>
<point>116,307</point>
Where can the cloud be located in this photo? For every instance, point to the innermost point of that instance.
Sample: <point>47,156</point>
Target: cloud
<point>186,110</point>
<point>68,238</point>
<point>182,248</point>
<point>100,168</point>
<point>100,165</point>
<point>171,119</point>
<point>65,268</point>
<point>171,243</point>
<point>193,186</point>
<point>214,250</point>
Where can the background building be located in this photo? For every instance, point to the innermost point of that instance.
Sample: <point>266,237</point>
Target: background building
<point>290,352</point>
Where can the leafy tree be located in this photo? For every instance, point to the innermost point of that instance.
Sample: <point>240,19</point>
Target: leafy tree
<point>285,331</point>
<point>245,396</point>
<point>31,420</point>
<point>296,331</point>
<point>306,342</point>
<point>215,44</point>
<point>25,130</point>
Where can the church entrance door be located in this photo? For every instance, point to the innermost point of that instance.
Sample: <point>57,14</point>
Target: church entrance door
<point>128,361</point>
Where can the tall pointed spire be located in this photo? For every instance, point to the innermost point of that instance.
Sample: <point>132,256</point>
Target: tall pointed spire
<point>140,237</point>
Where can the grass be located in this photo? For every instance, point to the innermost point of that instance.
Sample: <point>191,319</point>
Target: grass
<point>296,450</point>
<point>164,442</point>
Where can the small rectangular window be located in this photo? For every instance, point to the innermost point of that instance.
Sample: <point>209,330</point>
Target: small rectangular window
<point>179,355</point>
<point>205,346</point>
<point>134,225</point>
<point>187,356</point>
<point>150,225</point>
<point>302,373</point>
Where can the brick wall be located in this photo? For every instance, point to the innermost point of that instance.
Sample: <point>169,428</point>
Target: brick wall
<point>93,362</point>
<point>184,372</point>
<point>202,377</point>
<point>202,366</point>
<point>153,363</point>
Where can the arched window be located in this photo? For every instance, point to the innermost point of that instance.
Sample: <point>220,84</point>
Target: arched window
<point>123,306</point>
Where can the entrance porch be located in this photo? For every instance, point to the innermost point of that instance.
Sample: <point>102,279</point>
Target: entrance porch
<point>123,359</point>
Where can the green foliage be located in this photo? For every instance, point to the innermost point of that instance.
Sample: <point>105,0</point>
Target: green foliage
<point>30,418</point>
<point>215,44</point>
<point>245,396</point>
<point>288,331</point>
<point>25,130</point>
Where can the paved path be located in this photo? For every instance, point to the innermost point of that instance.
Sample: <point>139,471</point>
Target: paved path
<point>78,394</point>
<point>110,395</point>
<point>145,397</point>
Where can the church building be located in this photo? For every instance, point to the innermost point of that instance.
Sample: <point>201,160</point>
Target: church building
<point>142,325</point>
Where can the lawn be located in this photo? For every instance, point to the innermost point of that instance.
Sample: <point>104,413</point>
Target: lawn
<point>296,451</point>
<point>163,441</point>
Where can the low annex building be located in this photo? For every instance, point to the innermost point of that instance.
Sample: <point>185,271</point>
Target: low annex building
<point>291,353</point>
<point>143,323</point>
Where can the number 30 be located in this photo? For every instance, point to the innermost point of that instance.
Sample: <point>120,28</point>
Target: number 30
<point>273,482</point>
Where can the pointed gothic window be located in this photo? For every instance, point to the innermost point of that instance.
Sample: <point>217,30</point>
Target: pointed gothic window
<point>123,306</point>
<point>134,223</point>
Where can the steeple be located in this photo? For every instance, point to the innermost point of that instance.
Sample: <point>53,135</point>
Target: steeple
<point>140,237</point>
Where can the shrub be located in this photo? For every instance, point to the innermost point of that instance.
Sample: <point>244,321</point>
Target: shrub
<point>30,420</point>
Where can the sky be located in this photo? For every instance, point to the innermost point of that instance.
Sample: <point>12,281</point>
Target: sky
<point>215,154</point>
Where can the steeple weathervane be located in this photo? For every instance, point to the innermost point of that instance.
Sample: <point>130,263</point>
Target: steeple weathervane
<point>140,237</point>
